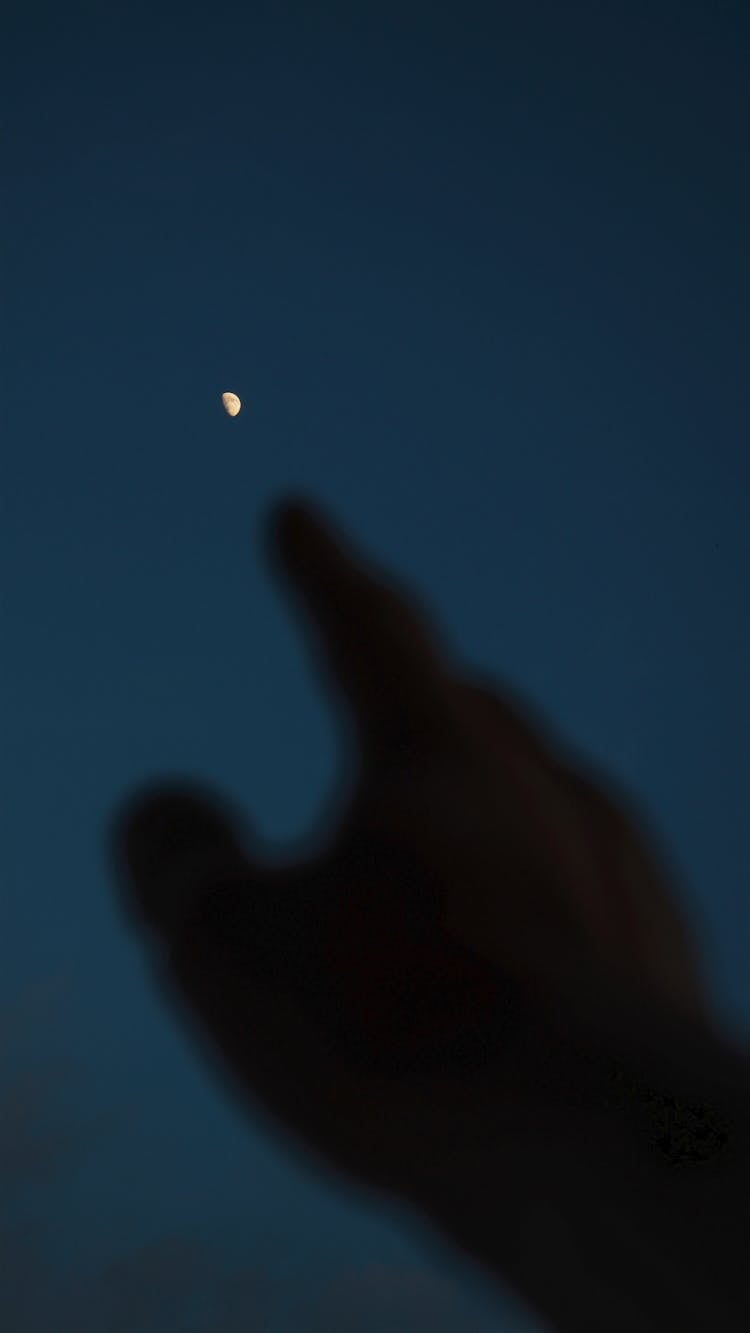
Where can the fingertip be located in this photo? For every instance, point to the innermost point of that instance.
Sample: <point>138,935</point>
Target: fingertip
<point>288,521</point>
<point>307,544</point>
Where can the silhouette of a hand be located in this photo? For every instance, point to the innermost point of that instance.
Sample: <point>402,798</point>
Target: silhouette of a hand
<point>372,994</point>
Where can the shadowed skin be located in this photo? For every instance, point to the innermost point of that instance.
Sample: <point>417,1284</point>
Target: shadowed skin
<point>437,995</point>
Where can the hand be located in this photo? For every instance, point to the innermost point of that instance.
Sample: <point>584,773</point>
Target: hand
<point>372,992</point>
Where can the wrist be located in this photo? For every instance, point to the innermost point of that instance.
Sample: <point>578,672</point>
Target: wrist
<point>616,1192</point>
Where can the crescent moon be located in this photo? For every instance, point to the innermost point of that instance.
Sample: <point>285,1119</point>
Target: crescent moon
<point>231,404</point>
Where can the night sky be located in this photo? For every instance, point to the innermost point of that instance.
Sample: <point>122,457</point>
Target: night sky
<point>480,275</point>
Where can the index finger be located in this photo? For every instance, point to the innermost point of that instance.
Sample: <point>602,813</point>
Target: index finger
<point>377,644</point>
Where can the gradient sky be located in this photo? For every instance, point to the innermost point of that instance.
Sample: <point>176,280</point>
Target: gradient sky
<point>480,275</point>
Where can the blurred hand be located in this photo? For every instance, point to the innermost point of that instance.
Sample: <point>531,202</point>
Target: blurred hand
<point>370,994</point>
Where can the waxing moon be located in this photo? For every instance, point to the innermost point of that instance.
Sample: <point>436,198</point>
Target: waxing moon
<point>231,404</point>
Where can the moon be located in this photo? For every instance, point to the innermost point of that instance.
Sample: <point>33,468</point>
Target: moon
<point>231,404</point>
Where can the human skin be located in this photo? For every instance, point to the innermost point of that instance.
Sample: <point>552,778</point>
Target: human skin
<point>455,993</point>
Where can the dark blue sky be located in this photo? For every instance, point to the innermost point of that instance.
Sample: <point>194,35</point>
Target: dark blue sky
<point>480,275</point>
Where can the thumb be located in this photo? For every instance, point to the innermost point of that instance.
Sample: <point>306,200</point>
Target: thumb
<point>169,842</point>
<point>237,941</point>
<point>186,871</point>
